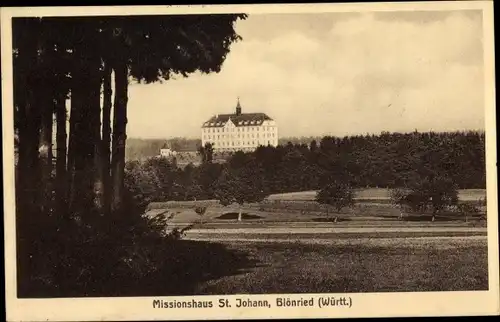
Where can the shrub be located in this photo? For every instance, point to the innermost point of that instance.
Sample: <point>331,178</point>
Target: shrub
<point>434,194</point>
<point>467,209</point>
<point>95,256</point>
<point>201,212</point>
<point>338,195</point>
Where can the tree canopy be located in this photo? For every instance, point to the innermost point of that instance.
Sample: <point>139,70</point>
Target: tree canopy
<point>56,58</point>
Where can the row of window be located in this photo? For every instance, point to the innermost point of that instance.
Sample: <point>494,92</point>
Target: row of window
<point>243,129</point>
<point>237,143</point>
<point>239,123</point>
<point>223,136</point>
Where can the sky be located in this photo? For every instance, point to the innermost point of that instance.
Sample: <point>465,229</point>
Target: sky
<point>332,74</point>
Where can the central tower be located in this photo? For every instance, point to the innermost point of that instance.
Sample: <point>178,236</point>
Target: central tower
<point>238,108</point>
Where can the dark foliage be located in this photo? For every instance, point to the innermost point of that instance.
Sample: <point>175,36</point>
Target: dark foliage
<point>397,161</point>
<point>337,194</point>
<point>79,229</point>
<point>433,194</point>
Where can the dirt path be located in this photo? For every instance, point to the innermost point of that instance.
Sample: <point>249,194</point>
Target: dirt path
<point>440,241</point>
<point>330,230</point>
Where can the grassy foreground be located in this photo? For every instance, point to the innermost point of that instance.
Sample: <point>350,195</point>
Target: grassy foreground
<point>375,266</point>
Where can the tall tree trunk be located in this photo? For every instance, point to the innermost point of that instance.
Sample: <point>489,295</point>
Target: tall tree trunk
<point>83,138</point>
<point>106,136</point>
<point>61,136</point>
<point>28,126</point>
<point>74,133</point>
<point>95,127</point>
<point>119,135</point>
<point>45,151</point>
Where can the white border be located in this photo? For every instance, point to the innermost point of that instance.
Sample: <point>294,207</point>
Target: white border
<point>364,304</point>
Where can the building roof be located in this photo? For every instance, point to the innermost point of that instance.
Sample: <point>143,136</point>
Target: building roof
<point>238,118</point>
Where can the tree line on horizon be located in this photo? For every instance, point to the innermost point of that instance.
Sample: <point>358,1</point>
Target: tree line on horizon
<point>141,148</point>
<point>388,160</point>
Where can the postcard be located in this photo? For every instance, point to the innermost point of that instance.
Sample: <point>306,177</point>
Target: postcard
<point>249,161</point>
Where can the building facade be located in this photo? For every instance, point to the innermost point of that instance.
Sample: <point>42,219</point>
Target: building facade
<point>239,131</point>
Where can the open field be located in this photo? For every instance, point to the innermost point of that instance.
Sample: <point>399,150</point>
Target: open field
<point>373,194</point>
<point>374,216</point>
<point>296,208</point>
<point>356,265</point>
<point>290,246</point>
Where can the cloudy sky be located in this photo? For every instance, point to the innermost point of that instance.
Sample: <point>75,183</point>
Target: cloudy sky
<point>332,73</point>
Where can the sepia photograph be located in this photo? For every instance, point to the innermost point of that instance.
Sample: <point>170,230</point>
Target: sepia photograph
<point>249,161</point>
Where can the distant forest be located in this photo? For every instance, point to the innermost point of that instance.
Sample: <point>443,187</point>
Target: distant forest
<point>389,160</point>
<point>141,149</point>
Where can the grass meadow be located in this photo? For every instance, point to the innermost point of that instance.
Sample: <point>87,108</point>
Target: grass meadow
<point>394,265</point>
<point>284,245</point>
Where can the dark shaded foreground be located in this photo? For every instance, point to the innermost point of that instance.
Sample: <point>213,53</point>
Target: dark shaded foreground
<point>184,265</point>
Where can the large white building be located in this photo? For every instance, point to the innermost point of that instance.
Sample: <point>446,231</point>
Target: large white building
<point>239,131</point>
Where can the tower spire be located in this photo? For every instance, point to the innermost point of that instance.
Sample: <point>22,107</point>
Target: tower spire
<point>238,107</point>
